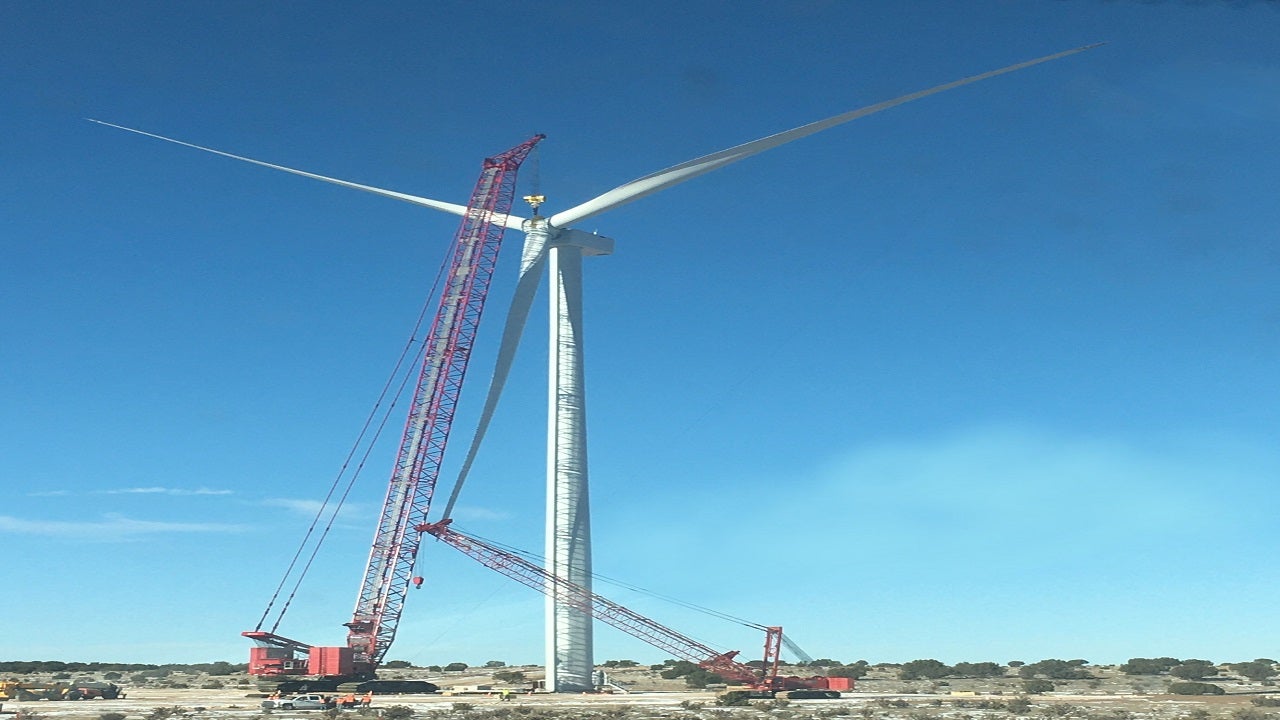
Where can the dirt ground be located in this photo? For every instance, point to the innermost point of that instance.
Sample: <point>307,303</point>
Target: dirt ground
<point>237,704</point>
<point>1106,694</point>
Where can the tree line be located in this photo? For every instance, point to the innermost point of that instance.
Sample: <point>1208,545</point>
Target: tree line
<point>23,667</point>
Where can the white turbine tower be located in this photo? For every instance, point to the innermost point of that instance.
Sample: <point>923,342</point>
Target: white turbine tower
<point>551,241</point>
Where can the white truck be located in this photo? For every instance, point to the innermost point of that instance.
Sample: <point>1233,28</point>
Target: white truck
<point>300,702</point>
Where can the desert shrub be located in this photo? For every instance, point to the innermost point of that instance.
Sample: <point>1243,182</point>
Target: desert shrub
<point>1059,710</point>
<point>977,670</point>
<point>733,699</point>
<point>1018,705</point>
<point>1252,713</point>
<point>856,670</point>
<point>1195,688</point>
<point>463,707</point>
<point>1148,666</point>
<point>25,714</point>
<point>212,685</point>
<point>403,712</point>
<point>1055,670</point>
<point>164,713</point>
<point>455,667</point>
<point>113,675</point>
<point>1193,670</point>
<point>892,703</point>
<point>1255,670</point>
<point>690,705</point>
<point>1265,701</point>
<point>929,669</point>
<point>1037,686</point>
<point>111,716</point>
<point>511,677</point>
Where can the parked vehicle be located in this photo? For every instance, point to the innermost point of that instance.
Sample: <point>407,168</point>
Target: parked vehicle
<point>300,702</point>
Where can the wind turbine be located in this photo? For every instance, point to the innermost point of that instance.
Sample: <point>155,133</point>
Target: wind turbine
<point>551,241</point>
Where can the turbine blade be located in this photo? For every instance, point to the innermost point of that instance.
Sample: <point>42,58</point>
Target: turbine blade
<point>676,174</point>
<point>531,264</point>
<point>509,221</point>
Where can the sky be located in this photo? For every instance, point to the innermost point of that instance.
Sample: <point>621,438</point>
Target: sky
<point>989,376</point>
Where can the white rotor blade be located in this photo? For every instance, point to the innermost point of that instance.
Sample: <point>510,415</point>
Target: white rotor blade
<point>531,265</point>
<point>679,173</point>
<point>509,221</point>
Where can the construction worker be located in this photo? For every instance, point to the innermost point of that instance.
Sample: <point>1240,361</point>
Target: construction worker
<point>349,700</point>
<point>367,700</point>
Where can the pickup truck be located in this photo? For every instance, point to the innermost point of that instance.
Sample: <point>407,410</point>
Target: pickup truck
<point>301,702</point>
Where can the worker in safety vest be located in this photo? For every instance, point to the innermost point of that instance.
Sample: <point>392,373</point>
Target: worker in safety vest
<point>367,700</point>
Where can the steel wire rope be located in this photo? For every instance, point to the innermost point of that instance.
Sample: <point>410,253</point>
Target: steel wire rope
<point>346,492</point>
<point>360,437</point>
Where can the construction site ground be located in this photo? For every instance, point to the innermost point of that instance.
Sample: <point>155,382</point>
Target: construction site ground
<point>1110,696</point>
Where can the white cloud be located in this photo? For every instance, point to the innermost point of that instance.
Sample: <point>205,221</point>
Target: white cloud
<point>997,480</point>
<point>310,508</point>
<point>110,527</point>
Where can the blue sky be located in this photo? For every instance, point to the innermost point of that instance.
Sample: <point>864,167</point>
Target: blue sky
<point>988,376</point>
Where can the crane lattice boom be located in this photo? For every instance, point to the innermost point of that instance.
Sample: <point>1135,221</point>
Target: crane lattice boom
<point>444,365</point>
<point>446,353</point>
<point>605,610</point>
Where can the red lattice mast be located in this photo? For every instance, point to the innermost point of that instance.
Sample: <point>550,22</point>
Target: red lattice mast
<point>602,608</point>
<point>444,365</point>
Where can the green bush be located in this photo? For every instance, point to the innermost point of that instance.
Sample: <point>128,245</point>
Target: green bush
<point>111,716</point>
<point>977,670</point>
<point>1256,670</point>
<point>1195,688</point>
<point>1193,670</point>
<point>929,669</point>
<point>400,712</point>
<point>1037,686</point>
<point>1018,706</point>
<point>1055,670</point>
<point>510,677</point>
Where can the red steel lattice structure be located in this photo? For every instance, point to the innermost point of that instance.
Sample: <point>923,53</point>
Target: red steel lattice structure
<point>413,479</point>
<point>611,613</point>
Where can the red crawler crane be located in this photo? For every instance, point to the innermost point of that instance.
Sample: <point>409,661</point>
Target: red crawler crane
<point>760,683</point>
<point>413,480</point>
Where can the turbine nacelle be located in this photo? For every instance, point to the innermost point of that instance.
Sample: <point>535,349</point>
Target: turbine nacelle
<point>551,236</point>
